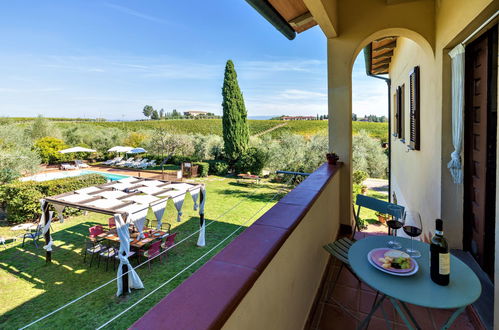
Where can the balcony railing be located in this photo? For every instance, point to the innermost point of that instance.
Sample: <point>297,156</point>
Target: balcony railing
<point>269,276</point>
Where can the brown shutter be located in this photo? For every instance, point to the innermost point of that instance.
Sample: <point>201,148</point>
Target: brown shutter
<point>414,113</point>
<point>398,112</point>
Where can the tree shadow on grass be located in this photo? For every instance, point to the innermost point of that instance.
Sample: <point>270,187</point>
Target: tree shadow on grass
<point>39,288</point>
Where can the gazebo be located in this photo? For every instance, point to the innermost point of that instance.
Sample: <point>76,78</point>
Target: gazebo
<point>129,201</point>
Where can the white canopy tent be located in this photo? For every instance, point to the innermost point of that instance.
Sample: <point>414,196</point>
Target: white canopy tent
<point>128,200</point>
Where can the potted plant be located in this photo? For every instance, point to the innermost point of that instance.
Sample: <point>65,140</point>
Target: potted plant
<point>332,158</point>
<point>363,189</point>
<point>382,217</point>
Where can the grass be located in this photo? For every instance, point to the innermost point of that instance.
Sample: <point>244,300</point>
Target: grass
<point>29,288</point>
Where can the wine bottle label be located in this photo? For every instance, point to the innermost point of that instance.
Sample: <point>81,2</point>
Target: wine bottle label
<point>444,263</point>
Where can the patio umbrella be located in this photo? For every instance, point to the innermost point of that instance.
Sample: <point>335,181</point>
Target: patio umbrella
<point>120,149</point>
<point>137,151</point>
<point>75,149</point>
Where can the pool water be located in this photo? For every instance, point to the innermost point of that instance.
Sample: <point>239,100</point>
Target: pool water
<point>69,174</point>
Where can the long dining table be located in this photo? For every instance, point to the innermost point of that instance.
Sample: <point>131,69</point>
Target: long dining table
<point>153,235</point>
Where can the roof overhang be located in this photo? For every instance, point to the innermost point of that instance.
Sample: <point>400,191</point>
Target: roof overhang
<point>378,55</point>
<point>295,16</point>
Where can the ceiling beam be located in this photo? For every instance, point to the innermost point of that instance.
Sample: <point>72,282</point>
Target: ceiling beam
<point>325,14</point>
<point>389,46</point>
<point>387,54</point>
<point>380,69</point>
<point>377,64</point>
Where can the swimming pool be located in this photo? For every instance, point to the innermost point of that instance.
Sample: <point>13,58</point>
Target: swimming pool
<point>69,174</point>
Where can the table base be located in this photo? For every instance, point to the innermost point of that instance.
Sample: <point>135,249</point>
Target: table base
<point>396,304</point>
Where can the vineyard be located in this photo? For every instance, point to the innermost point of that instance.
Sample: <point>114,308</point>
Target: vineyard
<point>305,128</point>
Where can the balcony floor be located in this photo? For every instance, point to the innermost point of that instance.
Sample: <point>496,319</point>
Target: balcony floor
<point>356,300</point>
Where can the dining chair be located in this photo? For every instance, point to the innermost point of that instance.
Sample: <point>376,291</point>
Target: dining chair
<point>378,205</point>
<point>93,248</point>
<point>165,226</point>
<point>95,231</point>
<point>153,251</point>
<point>111,223</point>
<point>32,235</point>
<point>109,253</point>
<point>168,242</point>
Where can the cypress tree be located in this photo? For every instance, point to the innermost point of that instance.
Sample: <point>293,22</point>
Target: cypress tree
<point>235,127</point>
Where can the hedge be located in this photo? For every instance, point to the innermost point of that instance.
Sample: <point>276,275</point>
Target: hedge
<point>218,167</point>
<point>22,199</point>
<point>203,168</point>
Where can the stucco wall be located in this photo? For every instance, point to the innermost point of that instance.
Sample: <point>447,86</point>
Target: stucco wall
<point>282,296</point>
<point>415,174</point>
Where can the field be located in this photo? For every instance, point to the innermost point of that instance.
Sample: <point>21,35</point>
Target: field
<point>214,126</point>
<point>29,289</point>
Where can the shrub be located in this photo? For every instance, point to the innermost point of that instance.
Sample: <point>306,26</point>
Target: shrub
<point>203,168</point>
<point>48,148</point>
<point>253,161</point>
<point>22,199</point>
<point>368,155</point>
<point>218,167</point>
<point>359,176</point>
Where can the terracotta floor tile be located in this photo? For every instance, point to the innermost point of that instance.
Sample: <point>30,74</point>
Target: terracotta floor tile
<point>347,297</point>
<point>365,287</point>
<point>377,323</point>
<point>347,279</point>
<point>335,318</point>
<point>422,315</point>
<point>366,302</point>
<point>442,315</point>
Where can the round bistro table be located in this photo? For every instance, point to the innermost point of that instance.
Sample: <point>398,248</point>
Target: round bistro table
<point>464,287</point>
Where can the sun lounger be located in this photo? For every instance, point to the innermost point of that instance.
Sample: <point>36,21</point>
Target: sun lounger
<point>141,163</point>
<point>80,164</point>
<point>148,164</point>
<point>133,162</point>
<point>66,166</point>
<point>123,162</point>
<point>113,161</point>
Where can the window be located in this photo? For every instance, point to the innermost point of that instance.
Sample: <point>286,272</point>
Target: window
<point>414,110</point>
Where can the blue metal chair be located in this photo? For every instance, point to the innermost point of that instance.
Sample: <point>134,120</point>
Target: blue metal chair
<point>33,235</point>
<point>372,204</point>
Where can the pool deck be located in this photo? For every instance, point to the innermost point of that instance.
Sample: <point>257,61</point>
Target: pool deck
<point>119,171</point>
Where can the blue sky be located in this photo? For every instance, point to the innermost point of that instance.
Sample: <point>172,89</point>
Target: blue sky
<point>110,58</point>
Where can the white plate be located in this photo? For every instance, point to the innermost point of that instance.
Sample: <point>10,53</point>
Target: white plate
<point>416,267</point>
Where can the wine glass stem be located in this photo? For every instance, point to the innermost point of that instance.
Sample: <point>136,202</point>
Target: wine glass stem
<point>412,247</point>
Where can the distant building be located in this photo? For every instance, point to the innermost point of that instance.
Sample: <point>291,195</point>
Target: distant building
<point>299,118</point>
<point>195,113</point>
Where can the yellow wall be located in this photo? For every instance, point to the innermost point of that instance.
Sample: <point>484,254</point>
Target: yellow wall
<point>416,173</point>
<point>282,296</point>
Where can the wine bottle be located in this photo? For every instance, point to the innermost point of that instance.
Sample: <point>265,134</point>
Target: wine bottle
<point>439,256</point>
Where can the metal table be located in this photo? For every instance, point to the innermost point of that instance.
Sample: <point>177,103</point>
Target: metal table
<point>464,287</point>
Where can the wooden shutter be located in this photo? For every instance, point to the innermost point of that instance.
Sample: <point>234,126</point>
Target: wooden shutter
<point>398,114</point>
<point>414,112</point>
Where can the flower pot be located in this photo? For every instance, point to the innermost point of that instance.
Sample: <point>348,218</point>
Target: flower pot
<point>381,219</point>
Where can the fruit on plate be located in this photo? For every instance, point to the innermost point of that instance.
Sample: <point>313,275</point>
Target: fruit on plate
<point>395,259</point>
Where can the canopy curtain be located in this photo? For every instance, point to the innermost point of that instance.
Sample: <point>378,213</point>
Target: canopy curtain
<point>159,211</point>
<point>201,238</point>
<point>457,63</point>
<point>134,281</point>
<point>46,223</point>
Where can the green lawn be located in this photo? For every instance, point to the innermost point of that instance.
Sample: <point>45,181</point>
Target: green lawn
<point>29,288</point>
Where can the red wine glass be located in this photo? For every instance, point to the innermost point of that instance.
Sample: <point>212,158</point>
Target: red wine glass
<point>413,227</point>
<point>395,222</point>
